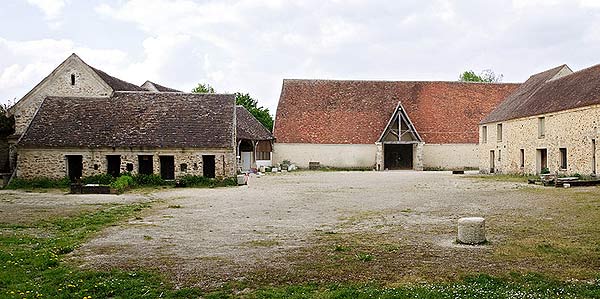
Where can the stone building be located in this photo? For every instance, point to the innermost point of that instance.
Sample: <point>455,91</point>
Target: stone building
<point>383,124</point>
<point>550,123</point>
<point>80,121</point>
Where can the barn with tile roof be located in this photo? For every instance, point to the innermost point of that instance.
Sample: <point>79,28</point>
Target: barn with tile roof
<point>383,124</point>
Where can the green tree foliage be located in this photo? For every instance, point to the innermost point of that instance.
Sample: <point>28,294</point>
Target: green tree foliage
<point>484,76</point>
<point>7,124</point>
<point>263,115</point>
<point>260,113</point>
<point>203,88</point>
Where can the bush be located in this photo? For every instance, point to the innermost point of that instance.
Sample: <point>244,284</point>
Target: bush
<point>40,182</point>
<point>545,170</point>
<point>149,180</point>
<point>201,181</point>
<point>122,183</point>
<point>102,179</point>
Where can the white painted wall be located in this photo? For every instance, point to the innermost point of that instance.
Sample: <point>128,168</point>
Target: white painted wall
<point>450,156</point>
<point>333,155</point>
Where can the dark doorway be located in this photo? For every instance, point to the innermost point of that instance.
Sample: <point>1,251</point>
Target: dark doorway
<point>492,162</point>
<point>167,167</point>
<point>74,167</point>
<point>113,165</point>
<point>398,156</point>
<point>145,164</point>
<point>208,166</point>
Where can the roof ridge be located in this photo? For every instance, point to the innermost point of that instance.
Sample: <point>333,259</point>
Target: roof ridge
<point>400,81</point>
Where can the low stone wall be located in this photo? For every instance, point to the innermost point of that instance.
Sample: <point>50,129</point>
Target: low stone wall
<point>331,155</point>
<point>52,162</point>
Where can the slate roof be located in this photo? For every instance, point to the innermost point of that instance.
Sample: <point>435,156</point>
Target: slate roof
<point>115,83</point>
<point>157,87</point>
<point>542,94</point>
<point>248,127</point>
<point>134,119</point>
<point>356,112</point>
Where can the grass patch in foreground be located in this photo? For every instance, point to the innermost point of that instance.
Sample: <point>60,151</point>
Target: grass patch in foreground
<point>503,177</point>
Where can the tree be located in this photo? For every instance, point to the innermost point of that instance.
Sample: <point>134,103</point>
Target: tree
<point>7,124</point>
<point>203,88</point>
<point>260,113</point>
<point>485,76</point>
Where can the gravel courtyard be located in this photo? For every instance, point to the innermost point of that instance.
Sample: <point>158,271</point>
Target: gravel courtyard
<point>353,226</point>
<point>388,227</point>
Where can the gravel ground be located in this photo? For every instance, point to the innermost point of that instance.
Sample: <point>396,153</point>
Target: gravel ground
<point>210,236</point>
<point>20,207</point>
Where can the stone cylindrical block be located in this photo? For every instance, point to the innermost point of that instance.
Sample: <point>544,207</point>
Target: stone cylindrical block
<point>471,230</point>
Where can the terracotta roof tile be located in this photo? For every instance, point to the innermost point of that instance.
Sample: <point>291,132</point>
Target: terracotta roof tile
<point>356,112</point>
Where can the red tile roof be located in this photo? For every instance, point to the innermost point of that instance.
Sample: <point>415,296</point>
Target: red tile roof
<point>356,112</point>
<point>542,94</point>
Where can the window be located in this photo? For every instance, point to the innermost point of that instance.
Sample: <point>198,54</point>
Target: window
<point>499,132</point>
<point>541,127</point>
<point>563,158</point>
<point>72,79</point>
<point>484,134</point>
<point>499,155</point>
<point>263,155</point>
<point>522,158</point>
<point>183,167</point>
<point>129,167</point>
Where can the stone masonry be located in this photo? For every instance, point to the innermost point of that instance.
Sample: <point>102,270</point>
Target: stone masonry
<point>573,129</point>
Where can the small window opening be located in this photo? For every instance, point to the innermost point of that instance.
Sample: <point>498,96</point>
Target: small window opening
<point>499,132</point>
<point>183,167</point>
<point>499,155</point>
<point>129,167</point>
<point>96,166</point>
<point>72,79</point>
<point>541,127</point>
<point>484,134</point>
<point>195,166</point>
<point>563,158</point>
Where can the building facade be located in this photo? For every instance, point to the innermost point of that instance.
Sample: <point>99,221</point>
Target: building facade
<point>549,124</point>
<point>383,124</point>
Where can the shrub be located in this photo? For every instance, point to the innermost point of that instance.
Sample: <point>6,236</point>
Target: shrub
<point>201,181</point>
<point>149,180</point>
<point>545,170</point>
<point>102,179</point>
<point>122,183</point>
<point>39,182</point>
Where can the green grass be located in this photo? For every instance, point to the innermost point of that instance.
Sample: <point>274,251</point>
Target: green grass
<point>504,177</point>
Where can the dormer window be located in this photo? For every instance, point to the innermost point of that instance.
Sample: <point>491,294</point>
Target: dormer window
<point>72,79</point>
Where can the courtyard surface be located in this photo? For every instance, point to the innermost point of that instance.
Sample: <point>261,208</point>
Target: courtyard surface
<point>327,227</point>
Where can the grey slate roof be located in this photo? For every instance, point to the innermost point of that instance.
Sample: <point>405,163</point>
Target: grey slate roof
<point>115,83</point>
<point>160,88</point>
<point>134,119</point>
<point>541,94</point>
<point>248,127</point>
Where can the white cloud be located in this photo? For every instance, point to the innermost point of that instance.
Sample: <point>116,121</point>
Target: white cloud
<point>51,8</point>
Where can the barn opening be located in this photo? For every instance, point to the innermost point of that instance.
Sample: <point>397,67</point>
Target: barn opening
<point>74,167</point>
<point>167,167</point>
<point>113,165</point>
<point>145,164</point>
<point>208,166</point>
<point>246,153</point>
<point>398,156</point>
<point>542,160</point>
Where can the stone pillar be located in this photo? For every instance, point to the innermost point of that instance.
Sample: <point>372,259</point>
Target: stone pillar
<point>471,230</point>
<point>379,157</point>
<point>418,156</point>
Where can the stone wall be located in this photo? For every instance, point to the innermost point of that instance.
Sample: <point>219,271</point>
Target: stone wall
<point>4,156</point>
<point>58,83</point>
<point>52,162</point>
<point>572,129</point>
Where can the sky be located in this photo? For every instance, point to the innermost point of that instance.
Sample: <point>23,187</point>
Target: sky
<point>252,45</point>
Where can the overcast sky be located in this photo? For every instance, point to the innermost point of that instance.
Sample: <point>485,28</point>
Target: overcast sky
<point>252,45</point>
